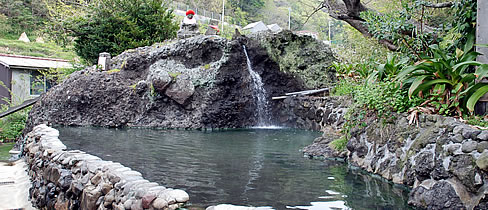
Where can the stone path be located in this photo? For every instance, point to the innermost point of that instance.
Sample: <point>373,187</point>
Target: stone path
<point>14,186</point>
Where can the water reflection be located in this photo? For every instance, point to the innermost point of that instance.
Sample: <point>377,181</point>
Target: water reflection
<point>242,167</point>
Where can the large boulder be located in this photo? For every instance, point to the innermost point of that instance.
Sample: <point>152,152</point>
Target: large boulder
<point>199,82</point>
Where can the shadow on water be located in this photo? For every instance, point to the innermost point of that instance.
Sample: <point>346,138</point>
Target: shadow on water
<point>256,167</point>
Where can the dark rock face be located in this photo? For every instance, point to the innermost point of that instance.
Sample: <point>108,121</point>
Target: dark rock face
<point>200,82</point>
<point>440,196</point>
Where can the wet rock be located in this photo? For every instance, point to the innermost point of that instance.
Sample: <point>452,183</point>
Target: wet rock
<point>440,196</point>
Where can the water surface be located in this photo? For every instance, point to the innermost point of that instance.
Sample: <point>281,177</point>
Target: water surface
<point>243,167</point>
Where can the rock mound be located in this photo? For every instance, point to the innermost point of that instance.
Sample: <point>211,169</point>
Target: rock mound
<point>200,82</point>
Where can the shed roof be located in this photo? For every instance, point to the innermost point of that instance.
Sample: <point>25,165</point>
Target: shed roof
<point>29,62</point>
<point>252,25</point>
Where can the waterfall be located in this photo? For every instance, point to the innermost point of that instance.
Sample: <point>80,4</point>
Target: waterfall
<point>259,94</point>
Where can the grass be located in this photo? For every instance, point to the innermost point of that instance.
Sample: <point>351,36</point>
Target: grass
<point>47,50</point>
<point>4,149</point>
<point>339,144</point>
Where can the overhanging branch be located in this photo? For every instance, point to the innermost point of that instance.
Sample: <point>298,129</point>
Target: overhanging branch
<point>438,5</point>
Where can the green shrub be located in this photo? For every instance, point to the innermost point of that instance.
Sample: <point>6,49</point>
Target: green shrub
<point>11,126</point>
<point>446,81</point>
<point>339,144</point>
<point>384,98</point>
<point>114,26</point>
<point>345,87</point>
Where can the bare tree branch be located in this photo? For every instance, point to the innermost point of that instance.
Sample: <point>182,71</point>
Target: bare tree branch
<point>438,5</point>
<point>318,8</point>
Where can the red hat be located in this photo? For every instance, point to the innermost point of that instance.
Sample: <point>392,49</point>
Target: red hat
<point>190,12</point>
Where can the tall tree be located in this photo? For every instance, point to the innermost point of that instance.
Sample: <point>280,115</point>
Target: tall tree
<point>350,11</point>
<point>117,25</point>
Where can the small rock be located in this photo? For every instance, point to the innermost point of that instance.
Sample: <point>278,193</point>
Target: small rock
<point>160,203</point>
<point>483,136</point>
<point>482,146</point>
<point>128,203</point>
<point>453,148</point>
<point>95,180</point>
<point>470,133</point>
<point>106,188</point>
<point>458,138</point>
<point>179,195</point>
<point>482,161</point>
<point>458,129</point>
<point>147,199</point>
<point>469,146</point>
<point>137,205</point>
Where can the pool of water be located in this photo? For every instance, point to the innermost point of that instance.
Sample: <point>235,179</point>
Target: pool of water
<point>255,167</point>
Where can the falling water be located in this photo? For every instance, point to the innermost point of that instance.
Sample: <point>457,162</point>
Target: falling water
<point>260,94</point>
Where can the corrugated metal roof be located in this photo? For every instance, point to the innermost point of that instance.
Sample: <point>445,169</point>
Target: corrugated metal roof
<point>20,61</point>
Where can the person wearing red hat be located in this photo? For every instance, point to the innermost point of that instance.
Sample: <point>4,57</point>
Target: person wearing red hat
<point>189,20</point>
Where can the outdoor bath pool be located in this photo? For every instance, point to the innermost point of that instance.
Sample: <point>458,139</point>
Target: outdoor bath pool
<point>250,167</point>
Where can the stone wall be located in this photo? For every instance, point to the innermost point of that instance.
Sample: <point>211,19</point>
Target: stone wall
<point>443,160</point>
<point>312,113</point>
<point>64,179</point>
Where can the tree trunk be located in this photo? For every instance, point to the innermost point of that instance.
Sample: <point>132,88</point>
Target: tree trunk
<point>350,11</point>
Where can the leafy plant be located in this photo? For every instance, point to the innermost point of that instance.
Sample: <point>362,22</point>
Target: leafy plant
<point>446,82</point>
<point>355,71</point>
<point>11,126</point>
<point>388,70</point>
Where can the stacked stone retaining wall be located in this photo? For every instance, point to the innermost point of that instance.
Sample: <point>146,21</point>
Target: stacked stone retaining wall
<point>312,113</point>
<point>444,160</point>
<point>64,179</point>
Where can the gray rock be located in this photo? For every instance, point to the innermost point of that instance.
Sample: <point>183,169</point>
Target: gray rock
<point>458,138</point>
<point>181,90</point>
<point>483,135</point>
<point>482,146</point>
<point>463,167</point>
<point>469,146</point>
<point>452,148</point>
<point>470,133</point>
<point>482,161</point>
<point>441,196</point>
<point>458,129</point>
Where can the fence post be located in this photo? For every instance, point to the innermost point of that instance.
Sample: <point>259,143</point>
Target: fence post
<point>482,38</point>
